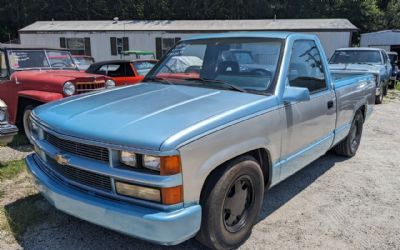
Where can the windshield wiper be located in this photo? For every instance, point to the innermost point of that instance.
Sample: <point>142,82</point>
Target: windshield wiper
<point>160,80</point>
<point>226,84</point>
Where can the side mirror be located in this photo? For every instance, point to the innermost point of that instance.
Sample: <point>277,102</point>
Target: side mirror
<point>296,94</point>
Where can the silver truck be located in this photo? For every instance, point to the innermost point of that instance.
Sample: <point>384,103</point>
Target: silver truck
<point>190,151</point>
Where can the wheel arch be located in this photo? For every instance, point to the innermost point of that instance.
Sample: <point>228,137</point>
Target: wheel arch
<point>261,155</point>
<point>363,110</point>
<point>23,102</point>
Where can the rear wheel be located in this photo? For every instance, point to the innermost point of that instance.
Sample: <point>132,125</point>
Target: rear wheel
<point>25,120</point>
<point>379,98</point>
<point>231,202</point>
<point>392,84</point>
<point>349,146</point>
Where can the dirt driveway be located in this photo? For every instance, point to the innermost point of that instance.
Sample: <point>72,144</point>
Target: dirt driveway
<point>334,203</point>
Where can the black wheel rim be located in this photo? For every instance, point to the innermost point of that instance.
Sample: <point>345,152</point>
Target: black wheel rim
<point>237,203</point>
<point>355,135</point>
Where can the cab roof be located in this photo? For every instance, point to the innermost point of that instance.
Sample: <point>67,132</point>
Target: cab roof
<point>360,48</point>
<point>279,35</point>
<point>250,34</point>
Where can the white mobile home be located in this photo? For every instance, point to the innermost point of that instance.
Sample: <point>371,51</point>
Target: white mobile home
<point>106,39</point>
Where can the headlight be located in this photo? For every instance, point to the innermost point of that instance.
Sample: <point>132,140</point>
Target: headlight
<point>3,115</point>
<point>128,158</point>
<point>110,84</point>
<point>152,162</point>
<point>166,165</point>
<point>69,88</point>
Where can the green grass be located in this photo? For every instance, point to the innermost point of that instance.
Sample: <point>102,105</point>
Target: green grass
<point>11,169</point>
<point>398,85</point>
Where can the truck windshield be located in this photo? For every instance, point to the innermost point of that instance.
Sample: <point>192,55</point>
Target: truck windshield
<point>246,64</point>
<point>356,56</point>
<point>40,59</point>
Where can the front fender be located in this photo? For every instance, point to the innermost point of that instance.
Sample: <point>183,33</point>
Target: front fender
<point>200,157</point>
<point>40,96</point>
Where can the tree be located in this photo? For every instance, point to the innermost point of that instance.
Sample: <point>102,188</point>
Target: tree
<point>368,15</point>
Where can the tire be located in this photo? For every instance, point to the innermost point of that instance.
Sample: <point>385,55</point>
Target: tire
<point>349,146</point>
<point>392,84</point>
<point>228,216</point>
<point>385,89</point>
<point>379,98</point>
<point>25,122</point>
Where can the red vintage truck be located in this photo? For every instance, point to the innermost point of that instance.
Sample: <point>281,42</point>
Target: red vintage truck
<point>31,76</point>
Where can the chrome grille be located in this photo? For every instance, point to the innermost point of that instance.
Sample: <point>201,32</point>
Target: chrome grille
<point>88,151</point>
<point>83,87</point>
<point>82,177</point>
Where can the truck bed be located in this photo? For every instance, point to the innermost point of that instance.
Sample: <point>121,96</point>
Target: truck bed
<point>351,88</point>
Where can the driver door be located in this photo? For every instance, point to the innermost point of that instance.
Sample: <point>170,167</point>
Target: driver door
<point>309,124</point>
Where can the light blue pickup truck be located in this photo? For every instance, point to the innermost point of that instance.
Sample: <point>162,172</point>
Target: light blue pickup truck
<point>190,151</point>
<point>364,60</point>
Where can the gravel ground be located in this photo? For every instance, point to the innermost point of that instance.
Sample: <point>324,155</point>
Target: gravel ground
<point>334,203</point>
<point>15,153</point>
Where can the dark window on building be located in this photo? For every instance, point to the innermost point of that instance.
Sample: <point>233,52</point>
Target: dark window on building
<point>119,44</point>
<point>163,45</point>
<point>306,69</point>
<point>77,46</point>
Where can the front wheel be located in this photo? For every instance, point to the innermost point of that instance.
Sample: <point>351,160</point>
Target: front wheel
<point>231,202</point>
<point>27,125</point>
<point>349,146</point>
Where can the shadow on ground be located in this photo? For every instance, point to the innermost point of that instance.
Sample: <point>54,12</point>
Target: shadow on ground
<point>20,143</point>
<point>59,230</point>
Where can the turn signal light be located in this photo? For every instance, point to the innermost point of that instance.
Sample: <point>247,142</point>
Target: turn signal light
<point>170,165</point>
<point>172,195</point>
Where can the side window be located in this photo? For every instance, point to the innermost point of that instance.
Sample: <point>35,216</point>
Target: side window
<point>306,69</point>
<point>3,65</point>
<point>113,70</point>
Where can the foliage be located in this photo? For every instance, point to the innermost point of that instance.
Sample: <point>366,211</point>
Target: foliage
<point>368,15</point>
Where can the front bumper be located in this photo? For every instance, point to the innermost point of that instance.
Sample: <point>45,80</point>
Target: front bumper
<point>161,227</point>
<point>7,132</point>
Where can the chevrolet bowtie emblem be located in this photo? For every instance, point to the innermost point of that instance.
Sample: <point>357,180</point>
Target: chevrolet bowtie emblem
<point>61,159</point>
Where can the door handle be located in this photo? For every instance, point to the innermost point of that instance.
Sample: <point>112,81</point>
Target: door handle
<point>330,104</point>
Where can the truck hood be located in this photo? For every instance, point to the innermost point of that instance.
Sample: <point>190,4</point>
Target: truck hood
<point>55,76</point>
<point>149,116</point>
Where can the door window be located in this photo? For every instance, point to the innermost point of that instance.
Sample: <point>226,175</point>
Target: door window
<point>115,70</point>
<point>306,69</point>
